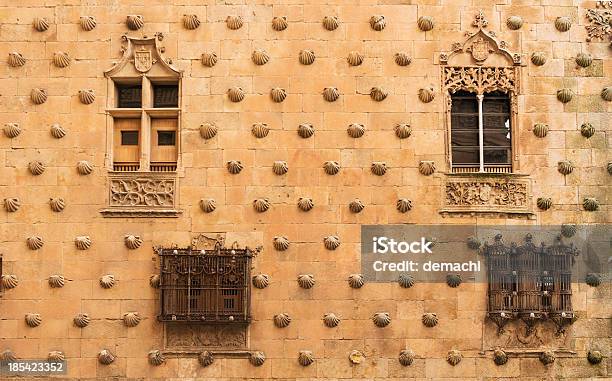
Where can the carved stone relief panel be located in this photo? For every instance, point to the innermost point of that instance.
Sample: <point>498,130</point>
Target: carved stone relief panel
<point>195,337</point>
<point>486,194</point>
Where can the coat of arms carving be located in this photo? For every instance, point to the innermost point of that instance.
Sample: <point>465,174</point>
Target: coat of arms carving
<point>480,49</point>
<point>143,60</point>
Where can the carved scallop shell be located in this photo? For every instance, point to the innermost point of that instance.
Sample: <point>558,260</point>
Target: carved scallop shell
<point>208,205</point>
<point>331,94</point>
<point>208,131</point>
<point>257,358</point>
<point>155,281</point>
<point>261,281</point>
<point>88,23</point>
<point>260,57</point>
<point>426,95</point>
<point>427,168</point>
<point>426,23</point>
<point>592,279</point>
<point>306,281</point>
<point>403,205</point>
<point>584,60</point>
<point>55,356</point>
<point>540,130</point>
<point>606,93</point>
<point>260,130</point>
<point>538,58</point>
<point>473,243</point>
<point>105,357</point>
<point>209,59</point>
<point>356,280</point>
<point>609,167</point>
<point>544,203</point>
<point>57,204</point>
<point>234,166</point>
<point>354,58</point>
<point>305,358</point>
<point>87,96</point>
<point>306,57</point>
<point>131,319</point>
<point>15,59</point>
<point>594,357</point>
<point>57,281</point>
<point>355,130</point>
<point>378,94</point>
<point>282,320</point>
<point>279,23</point>
<point>429,319</point>
<point>406,357</point>
<point>11,130</point>
<point>57,131</point>
<point>191,22</point>
<point>33,320</point>
<point>547,357</point>
<point>38,96</point>
<point>403,130</point>
<point>84,168</point>
<point>500,357</point>
<point>134,22</point>
<point>568,230</point>
<point>280,167</point>
<point>565,167</point>
<point>378,168</point>
<point>278,95</point>
<point>356,206</point>
<point>356,357</point>
<point>405,280</point>
<point>35,242</point>
<point>331,167</point>
<point>587,130</point>
<point>61,59</point>
<point>132,242</point>
<point>331,22</point>
<point>41,24</point>
<point>563,23</point>
<point>454,357</point>
<point>381,319</point>
<point>9,281</point>
<point>377,22</point>
<point>565,95</point>
<point>82,242</point>
<point>234,22</point>
<point>453,280</point>
<point>280,243</point>
<point>331,242</point>
<point>206,358</point>
<point>235,94</point>
<point>514,22</point>
<point>156,357</point>
<point>305,203</point>
<point>261,205</point>
<point>590,204</point>
<point>8,355</point>
<point>331,320</point>
<point>107,281</point>
<point>12,204</point>
<point>81,320</point>
<point>402,59</point>
<point>36,167</point>
<point>305,130</point>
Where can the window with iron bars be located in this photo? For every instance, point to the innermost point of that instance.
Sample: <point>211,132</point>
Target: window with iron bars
<point>210,286</point>
<point>530,282</point>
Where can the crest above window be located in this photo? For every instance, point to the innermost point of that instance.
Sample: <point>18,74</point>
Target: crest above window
<point>143,56</point>
<point>481,47</point>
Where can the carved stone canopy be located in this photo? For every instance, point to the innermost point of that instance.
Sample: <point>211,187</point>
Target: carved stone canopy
<point>481,46</point>
<point>143,56</point>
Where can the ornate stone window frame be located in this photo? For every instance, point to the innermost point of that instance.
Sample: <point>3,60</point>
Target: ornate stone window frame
<point>142,193</point>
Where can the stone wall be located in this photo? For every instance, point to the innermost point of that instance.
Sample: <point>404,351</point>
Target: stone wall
<point>203,174</point>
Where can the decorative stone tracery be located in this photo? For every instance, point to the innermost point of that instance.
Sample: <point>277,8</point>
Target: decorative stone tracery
<point>599,28</point>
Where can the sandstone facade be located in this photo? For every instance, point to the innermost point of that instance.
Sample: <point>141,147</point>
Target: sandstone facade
<point>380,163</point>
